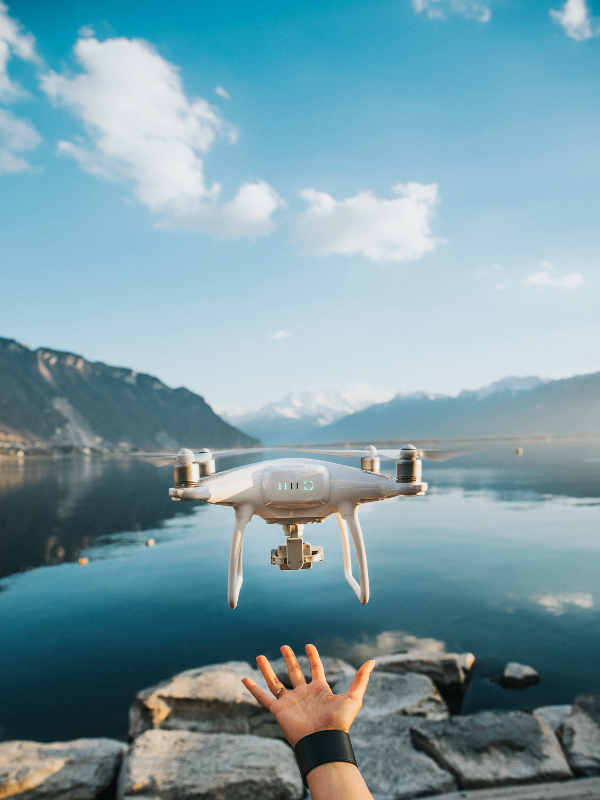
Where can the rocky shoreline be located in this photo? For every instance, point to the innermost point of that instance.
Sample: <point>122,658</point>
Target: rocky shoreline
<point>201,735</point>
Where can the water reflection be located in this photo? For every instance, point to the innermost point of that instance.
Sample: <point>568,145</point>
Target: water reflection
<point>53,509</point>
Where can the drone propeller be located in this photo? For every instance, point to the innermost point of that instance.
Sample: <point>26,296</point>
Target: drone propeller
<point>201,456</point>
<point>432,455</point>
<point>393,455</point>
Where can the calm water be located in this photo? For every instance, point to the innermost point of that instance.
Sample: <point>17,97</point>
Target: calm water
<point>502,558</point>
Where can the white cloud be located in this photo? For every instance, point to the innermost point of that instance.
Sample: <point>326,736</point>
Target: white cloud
<point>280,335</point>
<point>439,9</point>
<point>16,137</point>
<point>223,93</point>
<point>575,18</point>
<point>555,603</point>
<point>544,278</point>
<point>143,131</point>
<point>13,42</point>
<point>380,229</point>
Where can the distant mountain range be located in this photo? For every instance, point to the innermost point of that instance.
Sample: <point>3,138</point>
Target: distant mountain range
<point>511,407</point>
<point>294,418</point>
<point>48,397</point>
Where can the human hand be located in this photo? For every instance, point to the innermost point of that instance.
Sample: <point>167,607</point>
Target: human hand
<point>308,707</point>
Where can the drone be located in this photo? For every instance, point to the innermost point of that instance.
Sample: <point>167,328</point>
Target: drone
<point>299,491</point>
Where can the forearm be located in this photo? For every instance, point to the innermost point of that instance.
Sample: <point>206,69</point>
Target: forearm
<point>338,780</point>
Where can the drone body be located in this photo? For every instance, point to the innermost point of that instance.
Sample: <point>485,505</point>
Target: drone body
<point>294,492</point>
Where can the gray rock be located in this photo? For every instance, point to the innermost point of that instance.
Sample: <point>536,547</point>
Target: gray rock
<point>179,765</point>
<point>77,770</point>
<point>555,715</point>
<point>518,676</point>
<point>210,699</point>
<point>335,669</point>
<point>390,765</point>
<point>493,749</point>
<point>444,669</point>
<point>582,789</point>
<point>581,735</point>
<point>390,695</point>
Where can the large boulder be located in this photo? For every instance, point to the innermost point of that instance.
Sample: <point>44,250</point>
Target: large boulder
<point>392,695</point>
<point>581,735</point>
<point>555,715</point>
<point>210,699</point>
<point>179,765</point>
<point>77,770</point>
<point>493,749</point>
<point>518,676</point>
<point>335,670</point>
<point>451,672</point>
<point>390,765</point>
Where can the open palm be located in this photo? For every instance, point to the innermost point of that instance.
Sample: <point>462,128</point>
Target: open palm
<point>308,707</point>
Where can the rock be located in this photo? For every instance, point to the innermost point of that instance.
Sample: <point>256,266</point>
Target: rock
<point>335,669</point>
<point>180,765</point>
<point>407,695</point>
<point>77,770</point>
<point>451,672</point>
<point>210,699</point>
<point>582,789</point>
<point>555,715</point>
<point>444,669</point>
<point>518,676</point>
<point>581,735</point>
<point>493,749</point>
<point>389,763</point>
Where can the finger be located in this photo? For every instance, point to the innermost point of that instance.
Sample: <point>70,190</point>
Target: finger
<point>296,675</point>
<point>361,679</point>
<point>263,698</point>
<point>272,680</point>
<point>317,672</point>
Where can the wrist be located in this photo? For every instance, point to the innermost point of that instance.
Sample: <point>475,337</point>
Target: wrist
<point>323,747</point>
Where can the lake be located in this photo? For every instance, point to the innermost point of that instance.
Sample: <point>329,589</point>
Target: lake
<point>500,558</point>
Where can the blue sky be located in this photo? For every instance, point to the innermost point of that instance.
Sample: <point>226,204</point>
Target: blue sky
<point>249,198</point>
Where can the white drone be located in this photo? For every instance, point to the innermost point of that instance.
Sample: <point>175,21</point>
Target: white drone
<point>294,492</point>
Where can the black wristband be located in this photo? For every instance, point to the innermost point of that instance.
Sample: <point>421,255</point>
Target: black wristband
<point>323,747</point>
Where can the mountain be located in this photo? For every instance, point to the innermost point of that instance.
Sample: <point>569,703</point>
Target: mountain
<point>512,407</point>
<point>49,397</point>
<point>300,415</point>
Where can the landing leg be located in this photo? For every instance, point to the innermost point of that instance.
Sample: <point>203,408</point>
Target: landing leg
<point>243,515</point>
<point>347,518</point>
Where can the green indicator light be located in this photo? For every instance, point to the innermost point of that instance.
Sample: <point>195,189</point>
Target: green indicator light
<point>279,487</point>
<point>308,486</point>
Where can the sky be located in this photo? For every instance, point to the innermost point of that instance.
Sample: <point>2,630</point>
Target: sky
<point>249,198</point>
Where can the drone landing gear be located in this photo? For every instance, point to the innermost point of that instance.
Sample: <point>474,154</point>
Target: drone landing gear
<point>347,517</point>
<point>295,553</point>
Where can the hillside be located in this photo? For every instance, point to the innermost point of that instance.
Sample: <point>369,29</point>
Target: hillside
<point>560,407</point>
<point>51,397</point>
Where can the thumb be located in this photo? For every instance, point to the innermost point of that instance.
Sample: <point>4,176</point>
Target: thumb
<point>361,679</point>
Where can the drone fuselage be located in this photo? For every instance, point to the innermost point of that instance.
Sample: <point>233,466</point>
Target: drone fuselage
<point>269,487</point>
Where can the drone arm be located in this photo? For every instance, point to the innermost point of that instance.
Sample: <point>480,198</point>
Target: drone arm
<point>347,518</point>
<point>243,515</point>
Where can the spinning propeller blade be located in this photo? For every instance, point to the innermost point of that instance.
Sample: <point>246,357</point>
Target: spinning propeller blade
<point>390,455</point>
<point>164,459</point>
<point>432,455</point>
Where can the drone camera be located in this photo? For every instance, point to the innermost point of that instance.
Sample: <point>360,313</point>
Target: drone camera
<point>295,553</point>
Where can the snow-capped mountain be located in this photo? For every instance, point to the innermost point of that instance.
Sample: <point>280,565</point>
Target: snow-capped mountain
<point>298,414</point>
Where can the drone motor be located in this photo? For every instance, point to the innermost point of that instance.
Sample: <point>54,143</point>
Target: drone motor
<point>410,467</point>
